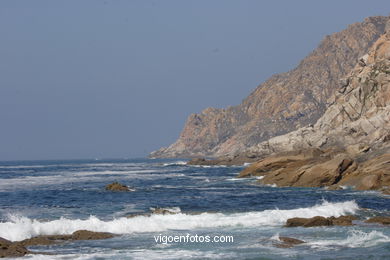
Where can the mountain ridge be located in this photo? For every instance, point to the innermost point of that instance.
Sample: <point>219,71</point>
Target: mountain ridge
<point>349,146</point>
<point>283,103</point>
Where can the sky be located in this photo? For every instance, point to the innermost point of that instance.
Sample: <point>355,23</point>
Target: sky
<point>117,79</point>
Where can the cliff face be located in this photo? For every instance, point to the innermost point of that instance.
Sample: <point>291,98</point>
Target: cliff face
<point>359,115</point>
<point>349,145</point>
<point>283,103</point>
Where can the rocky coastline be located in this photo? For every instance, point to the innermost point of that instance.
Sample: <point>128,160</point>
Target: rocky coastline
<point>348,146</point>
<point>21,248</point>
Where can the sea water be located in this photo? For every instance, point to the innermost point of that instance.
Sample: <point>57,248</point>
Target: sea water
<point>60,197</point>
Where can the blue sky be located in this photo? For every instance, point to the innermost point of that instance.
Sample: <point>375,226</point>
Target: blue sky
<point>117,79</point>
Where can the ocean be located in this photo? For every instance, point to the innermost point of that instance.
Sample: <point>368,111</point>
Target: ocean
<point>60,197</point>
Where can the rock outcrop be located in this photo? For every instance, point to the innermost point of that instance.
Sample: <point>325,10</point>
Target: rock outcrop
<point>235,160</point>
<point>359,117</point>
<point>319,221</point>
<point>316,168</point>
<point>11,249</point>
<point>380,220</point>
<point>349,144</point>
<point>287,242</point>
<point>116,186</point>
<point>55,239</point>
<point>286,101</point>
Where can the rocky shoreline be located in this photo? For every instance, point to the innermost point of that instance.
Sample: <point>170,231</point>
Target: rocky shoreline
<point>20,248</point>
<point>332,169</point>
<point>348,146</point>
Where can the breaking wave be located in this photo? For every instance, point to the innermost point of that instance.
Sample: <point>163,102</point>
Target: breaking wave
<point>19,228</point>
<point>356,238</point>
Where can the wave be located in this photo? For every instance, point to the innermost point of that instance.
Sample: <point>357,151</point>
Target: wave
<point>178,163</point>
<point>123,172</point>
<point>19,228</point>
<point>141,254</point>
<point>356,238</point>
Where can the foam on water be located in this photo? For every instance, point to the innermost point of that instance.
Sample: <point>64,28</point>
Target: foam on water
<point>356,238</point>
<point>178,163</point>
<point>88,173</point>
<point>141,254</point>
<point>19,228</point>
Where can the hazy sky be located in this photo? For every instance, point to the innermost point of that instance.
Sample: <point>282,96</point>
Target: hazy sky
<point>117,79</point>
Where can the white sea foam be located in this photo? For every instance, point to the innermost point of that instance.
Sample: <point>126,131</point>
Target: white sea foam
<point>171,209</point>
<point>141,254</point>
<point>237,179</point>
<point>245,179</point>
<point>88,173</point>
<point>356,238</point>
<point>19,228</point>
<point>210,166</point>
<point>275,237</point>
<point>178,163</point>
<point>78,177</point>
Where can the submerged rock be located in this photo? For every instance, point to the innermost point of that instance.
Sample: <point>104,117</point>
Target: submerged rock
<point>163,211</point>
<point>287,242</point>
<point>155,211</point>
<point>43,240</point>
<point>55,239</point>
<point>90,235</point>
<point>116,186</point>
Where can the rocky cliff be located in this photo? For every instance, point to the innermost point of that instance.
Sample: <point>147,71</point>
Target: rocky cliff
<point>283,103</point>
<point>359,115</point>
<point>349,145</point>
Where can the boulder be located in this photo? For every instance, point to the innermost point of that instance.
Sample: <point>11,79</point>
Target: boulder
<point>116,186</point>
<point>320,221</point>
<point>11,249</point>
<point>343,220</point>
<point>296,222</point>
<point>287,242</point>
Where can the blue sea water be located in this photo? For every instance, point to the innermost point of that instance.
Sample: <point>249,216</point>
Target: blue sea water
<point>60,197</point>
